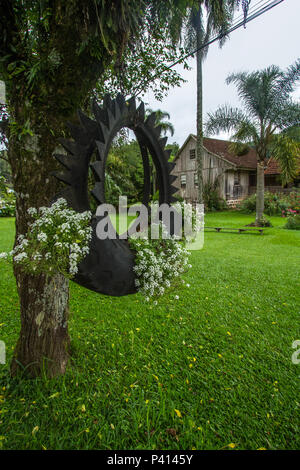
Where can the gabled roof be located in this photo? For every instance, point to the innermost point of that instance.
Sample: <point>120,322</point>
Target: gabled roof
<point>220,148</point>
<point>272,167</point>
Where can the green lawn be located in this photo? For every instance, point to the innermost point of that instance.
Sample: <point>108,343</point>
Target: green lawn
<point>220,356</point>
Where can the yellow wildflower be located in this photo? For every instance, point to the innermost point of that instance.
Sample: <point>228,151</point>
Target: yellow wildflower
<point>35,430</point>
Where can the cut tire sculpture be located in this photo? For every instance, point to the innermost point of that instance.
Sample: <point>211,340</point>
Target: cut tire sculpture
<point>108,268</point>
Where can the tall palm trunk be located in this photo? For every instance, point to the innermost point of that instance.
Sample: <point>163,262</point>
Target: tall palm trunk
<point>199,145</point>
<point>260,190</point>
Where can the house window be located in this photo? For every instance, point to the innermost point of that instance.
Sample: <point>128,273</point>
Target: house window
<point>195,179</point>
<point>192,154</point>
<point>183,180</point>
<point>237,177</point>
<point>252,179</point>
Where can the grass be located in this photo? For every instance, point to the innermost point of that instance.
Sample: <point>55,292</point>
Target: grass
<point>220,356</point>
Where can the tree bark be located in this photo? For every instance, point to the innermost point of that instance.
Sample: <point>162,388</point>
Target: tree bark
<point>199,145</point>
<point>44,341</point>
<point>260,189</point>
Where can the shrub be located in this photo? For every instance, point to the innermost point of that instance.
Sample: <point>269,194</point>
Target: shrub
<point>7,209</point>
<point>248,205</point>
<point>264,222</point>
<point>7,200</point>
<point>212,200</point>
<point>293,222</point>
<point>275,204</point>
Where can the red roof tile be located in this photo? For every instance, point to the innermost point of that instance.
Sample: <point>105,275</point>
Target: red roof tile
<point>221,147</point>
<point>272,168</point>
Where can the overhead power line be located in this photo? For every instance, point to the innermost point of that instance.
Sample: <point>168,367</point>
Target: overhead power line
<point>241,23</point>
<point>254,13</point>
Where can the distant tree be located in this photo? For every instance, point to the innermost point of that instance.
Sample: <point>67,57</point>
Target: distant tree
<point>174,147</point>
<point>125,172</point>
<point>266,121</point>
<point>166,126</point>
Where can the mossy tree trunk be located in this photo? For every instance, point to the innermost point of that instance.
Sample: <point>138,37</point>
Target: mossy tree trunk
<point>43,341</point>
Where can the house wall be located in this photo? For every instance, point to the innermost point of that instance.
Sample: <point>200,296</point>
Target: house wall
<point>213,167</point>
<point>237,184</point>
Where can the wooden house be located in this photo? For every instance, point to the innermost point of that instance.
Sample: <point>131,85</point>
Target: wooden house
<point>236,174</point>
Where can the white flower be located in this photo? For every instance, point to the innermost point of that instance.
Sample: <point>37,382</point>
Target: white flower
<point>3,255</point>
<point>42,237</point>
<point>32,211</point>
<point>20,257</point>
<point>176,297</point>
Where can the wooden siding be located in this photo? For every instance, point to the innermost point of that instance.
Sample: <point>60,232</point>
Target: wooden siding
<point>213,166</point>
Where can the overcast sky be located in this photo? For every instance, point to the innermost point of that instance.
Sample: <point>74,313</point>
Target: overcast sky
<point>273,38</point>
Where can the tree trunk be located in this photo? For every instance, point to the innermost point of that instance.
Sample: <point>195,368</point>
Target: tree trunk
<point>43,342</point>
<point>199,145</point>
<point>260,190</point>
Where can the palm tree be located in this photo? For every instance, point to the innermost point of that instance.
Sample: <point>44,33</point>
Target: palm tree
<point>207,18</point>
<point>166,126</point>
<point>265,122</point>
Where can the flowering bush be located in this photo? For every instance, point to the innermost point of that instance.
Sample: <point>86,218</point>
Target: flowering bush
<point>158,263</point>
<point>56,241</point>
<point>7,200</point>
<point>195,214</point>
<point>8,206</point>
<point>275,204</point>
<point>293,222</point>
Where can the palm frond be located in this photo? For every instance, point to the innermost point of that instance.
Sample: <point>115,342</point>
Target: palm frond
<point>293,132</point>
<point>287,152</point>
<point>257,90</point>
<point>287,115</point>
<point>288,82</point>
<point>246,132</point>
<point>225,119</point>
<point>239,148</point>
<point>219,16</point>
<point>166,126</point>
